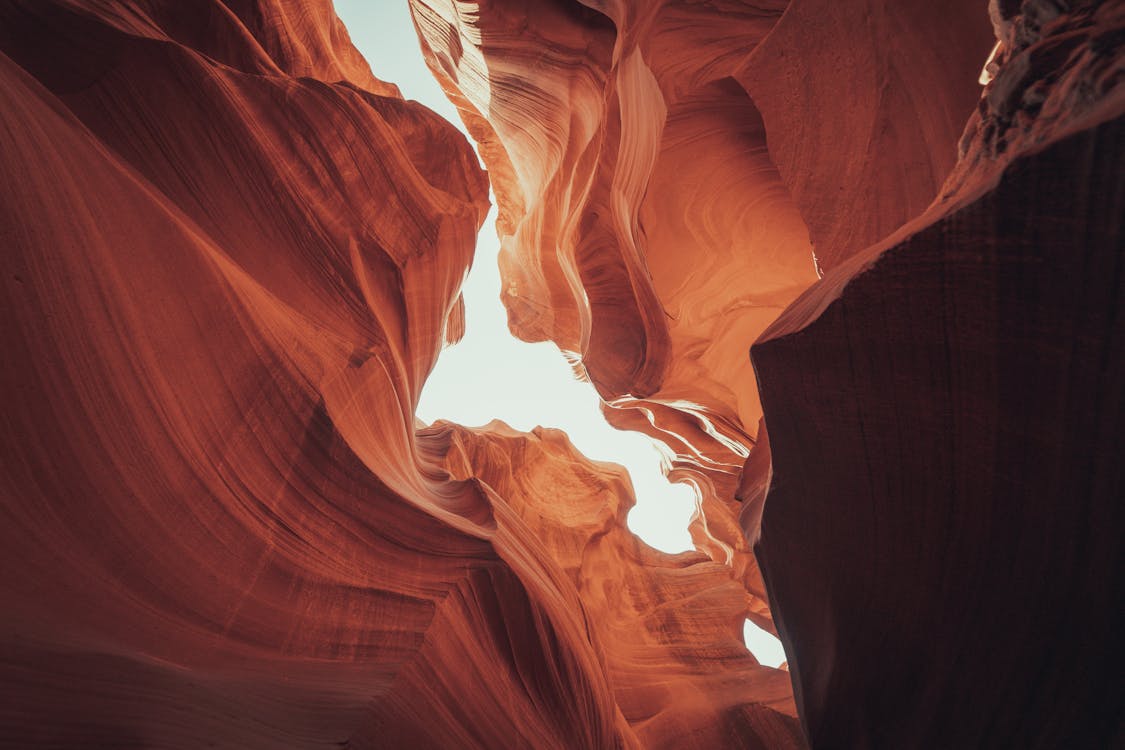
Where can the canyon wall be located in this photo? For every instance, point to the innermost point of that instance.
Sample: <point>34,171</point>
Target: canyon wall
<point>671,175</point>
<point>946,420</point>
<point>941,477</point>
<point>232,256</point>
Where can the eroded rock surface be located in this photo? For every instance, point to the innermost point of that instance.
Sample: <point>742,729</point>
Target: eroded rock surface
<point>668,628</point>
<point>942,535</point>
<point>232,256</point>
<point>670,175</point>
<point>940,482</point>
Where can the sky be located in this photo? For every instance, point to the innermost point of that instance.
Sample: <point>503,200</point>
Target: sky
<point>492,375</point>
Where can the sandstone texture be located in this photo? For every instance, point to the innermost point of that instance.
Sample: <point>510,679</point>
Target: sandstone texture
<point>232,256</point>
<point>936,499</point>
<point>884,345</point>
<point>671,175</point>
<point>942,536</point>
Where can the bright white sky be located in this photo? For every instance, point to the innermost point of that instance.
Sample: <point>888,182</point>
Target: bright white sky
<point>492,375</point>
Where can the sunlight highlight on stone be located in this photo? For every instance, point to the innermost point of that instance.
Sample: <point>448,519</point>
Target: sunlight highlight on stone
<point>490,374</point>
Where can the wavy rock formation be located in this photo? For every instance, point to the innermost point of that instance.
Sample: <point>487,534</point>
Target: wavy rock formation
<point>943,406</point>
<point>946,424</point>
<point>232,257</point>
<point>667,628</point>
<point>669,174</point>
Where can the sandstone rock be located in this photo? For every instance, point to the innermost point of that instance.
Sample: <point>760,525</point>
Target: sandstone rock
<point>941,537</point>
<point>233,255</point>
<point>232,258</point>
<point>667,171</point>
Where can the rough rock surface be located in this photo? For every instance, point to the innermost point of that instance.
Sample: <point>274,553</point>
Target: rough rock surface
<point>231,258</point>
<point>941,481</point>
<point>668,174</point>
<point>942,533</point>
<point>233,255</point>
<point>668,628</point>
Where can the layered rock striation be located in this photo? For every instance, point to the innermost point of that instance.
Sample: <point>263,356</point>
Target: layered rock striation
<point>671,175</point>
<point>939,478</point>
<point>232,257</point>
<point>667,628</point>
<point>234,254</point>
<point>945,423</point>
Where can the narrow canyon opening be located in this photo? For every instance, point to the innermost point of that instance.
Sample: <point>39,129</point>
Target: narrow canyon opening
<point>491,375</point>
<point>346,364</point>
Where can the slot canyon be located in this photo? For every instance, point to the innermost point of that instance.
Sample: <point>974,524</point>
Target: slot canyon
<point>855,267</point>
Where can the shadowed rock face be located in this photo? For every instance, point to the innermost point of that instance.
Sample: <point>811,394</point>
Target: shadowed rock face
<point>671,175</point>
<point>232,256</point>
<point>943,406</point>
<point>945,423</point>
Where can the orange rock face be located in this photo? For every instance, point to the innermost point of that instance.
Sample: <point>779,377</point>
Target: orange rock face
<point>668,175</point>
<point>671,176</point>
<point>232,257</point>
<point>667,628</point>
